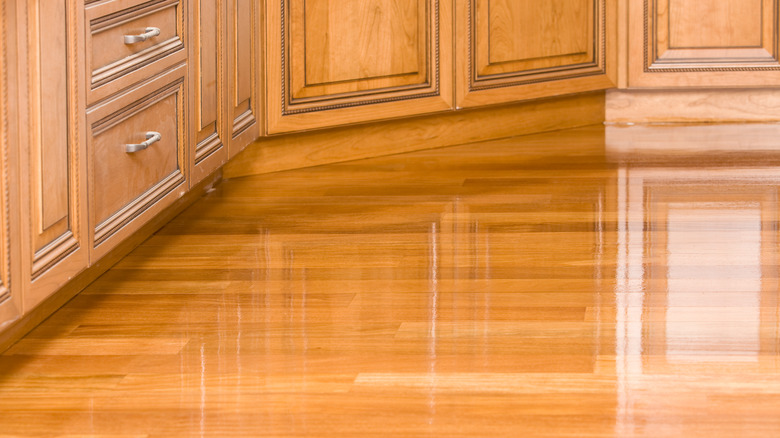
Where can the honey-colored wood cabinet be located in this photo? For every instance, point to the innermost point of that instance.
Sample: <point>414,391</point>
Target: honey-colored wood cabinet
<point>208,87</point>
<point>511,50</point>
<point>136,139</point>
<point>244,76</point>
<point>10,293</point>
<point>52,163</point>
<point>136,145</point>
<point>128,41</point>
<point>226,78</point>
<point>114,109</point>
<point>334,63</point>
<point>703,43</point>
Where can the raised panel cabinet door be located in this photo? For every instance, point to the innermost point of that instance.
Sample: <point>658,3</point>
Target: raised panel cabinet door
<point>511,50</point>
<point>342,62</point>
<point>208,87</point>
<point>244,73</point>
<point>136,143</point>
<point>704,43</point>
<point>10,298</point>
<point>53,167</point>
<point>128,41</point>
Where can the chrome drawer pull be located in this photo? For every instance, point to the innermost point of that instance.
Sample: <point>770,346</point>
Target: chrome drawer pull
<point>149,33</point>
<point>151,138</point>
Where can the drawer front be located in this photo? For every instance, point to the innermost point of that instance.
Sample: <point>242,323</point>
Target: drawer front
<point>136,155</point>
<point>130,41</point>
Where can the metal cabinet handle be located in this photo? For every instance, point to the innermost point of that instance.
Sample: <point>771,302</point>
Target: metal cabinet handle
<point>149,33</point>
<point>151,138</point>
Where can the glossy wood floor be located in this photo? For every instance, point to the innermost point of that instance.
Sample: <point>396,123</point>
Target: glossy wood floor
<point>575,284</point>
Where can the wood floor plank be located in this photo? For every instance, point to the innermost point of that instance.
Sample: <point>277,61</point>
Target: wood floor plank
<point>556,285</point>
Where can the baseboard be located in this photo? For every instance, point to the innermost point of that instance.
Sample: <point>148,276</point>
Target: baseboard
<point>10,335</point>
<point>293,151</point>
<point>710,144</point>
<point>693,106</point>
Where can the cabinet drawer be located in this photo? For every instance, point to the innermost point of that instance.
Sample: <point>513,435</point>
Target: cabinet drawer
<point>129,184</point>
<point>129,41</point>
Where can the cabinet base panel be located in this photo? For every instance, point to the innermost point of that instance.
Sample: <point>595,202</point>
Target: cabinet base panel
<point>273,154</point>
<point>24,325</point>
<point>693,106</point>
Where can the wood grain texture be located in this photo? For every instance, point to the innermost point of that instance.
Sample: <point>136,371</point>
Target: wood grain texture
<point>654,140</point>
<point>245,73</point>
<point>685,43</point>
<point>532,286</point>
<point>33,317</point>
<point>693,106</point>
<point>10,291</point>
<point>114,65</point>
<point>208,96</point>
<point>52,164</point>
<point>518,50</point>
<point>353,45</point>
<point>339,63</point>
<point>722,23</point>
<point>128,189</point>
<point>273,154</point>
<point>535,35</point>
<point>622,43</point>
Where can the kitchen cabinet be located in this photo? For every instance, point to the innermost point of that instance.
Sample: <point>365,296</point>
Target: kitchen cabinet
<point>136,145</point>
<point>208,87</point>
<point>128,41</point>
<point>511,50</point>
<point>225,91</point>
<point>703,43</point>
<point>337,63</point>
<point>244,75</point>
<point>114,109</point>
<point>10,292</point>
<point>52,163</point>
<point>136,142</point>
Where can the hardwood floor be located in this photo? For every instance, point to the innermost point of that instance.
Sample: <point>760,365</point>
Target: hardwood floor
<point>575,283</point>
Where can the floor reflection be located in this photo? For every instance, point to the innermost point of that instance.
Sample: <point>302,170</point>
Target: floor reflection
<point>537,286</point>
<point>696,275</point>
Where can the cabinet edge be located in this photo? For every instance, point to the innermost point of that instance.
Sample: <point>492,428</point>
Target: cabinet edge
<point>14,332</point>
<point>293,151</point>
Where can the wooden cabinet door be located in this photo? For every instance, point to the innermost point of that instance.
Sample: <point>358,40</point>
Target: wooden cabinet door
<point>208,87</point>
<point>341,62</point>
<point>244,73</point>
<point>10,298</point>
<point>704,43</point>
<point>53,167</point>
<point>512,50</point>
<point>136,151</point>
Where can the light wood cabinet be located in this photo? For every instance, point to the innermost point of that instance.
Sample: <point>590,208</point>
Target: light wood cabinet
<point>510,50</point>
<point>243,73</point>
<point>136,147</point>
<point>10,292</point>
<point>128,41</point>
<point>52,160</point>
<point>113,109</point>
<point>136,142</point>
<point>208,87</point>
<point>704,43</point>
<point>226,105</point>
<point>334,63</point>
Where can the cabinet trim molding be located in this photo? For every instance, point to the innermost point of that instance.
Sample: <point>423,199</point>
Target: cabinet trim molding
<point>119,219</point>
<point>5,226</point>
<point>384,78</point>
<point>55,240</point>
<point>653,62</point>
<point>596,67</point>
<point>432,63</point>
